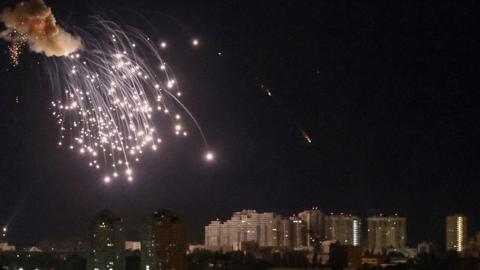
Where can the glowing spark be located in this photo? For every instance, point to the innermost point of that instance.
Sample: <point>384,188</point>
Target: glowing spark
<point>107,96</point>
<point>209,156</point>
<point>306,136</point>
<point>15,49</point>
<point>269,93</point>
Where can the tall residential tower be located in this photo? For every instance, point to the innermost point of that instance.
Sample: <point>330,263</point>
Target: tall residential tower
<point>107,246</point>
<point>345,229</point>
<point>163,242</point>
<point>314,222</point>
<point>248,226</point>
<point>387,232</point>
<point>456,232</point>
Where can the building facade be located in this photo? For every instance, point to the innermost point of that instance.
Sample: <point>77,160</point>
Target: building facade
<point>299,233</point>
<point>107,243</point>
<point>456,233</point>
<point>314,226</point>
<point>163,242</point>
<point>345,229</point>
<point>248,226</point>
<point>387,233</point>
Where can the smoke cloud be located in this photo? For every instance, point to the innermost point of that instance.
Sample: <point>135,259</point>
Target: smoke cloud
<point>33,23</point>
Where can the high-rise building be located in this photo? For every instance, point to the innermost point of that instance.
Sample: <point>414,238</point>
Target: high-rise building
<point>163,244</point>
<point>299,233</point>
<point>456,232</point>
<point>314,223</point>
<point>357,232</point>
<point>387,232</point>
<point>345,229</point>
<point>107,245</point>
<point>248,226</point>
<point>284,233</point>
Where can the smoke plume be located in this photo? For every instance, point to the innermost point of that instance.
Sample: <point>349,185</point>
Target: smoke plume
<point>32,22</point>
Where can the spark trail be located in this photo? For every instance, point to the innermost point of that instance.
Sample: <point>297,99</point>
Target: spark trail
<point>107,82</point>
<point>105,97</point>
<point>268,92</point>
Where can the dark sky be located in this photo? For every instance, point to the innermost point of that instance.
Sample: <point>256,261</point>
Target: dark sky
<point>387,90</point>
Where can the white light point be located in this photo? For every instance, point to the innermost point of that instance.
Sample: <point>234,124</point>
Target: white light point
<point>106,179</point>
<point>195,42</point>
<point>163,44</point>
<point>209,156</point>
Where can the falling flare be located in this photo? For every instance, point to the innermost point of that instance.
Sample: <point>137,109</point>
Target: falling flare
<point>269,93</point>
<point>306,136</point>
<point>209,156</point>
<point>108,95</point>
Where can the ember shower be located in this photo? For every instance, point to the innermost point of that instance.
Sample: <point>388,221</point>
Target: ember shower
<point>105,93</point>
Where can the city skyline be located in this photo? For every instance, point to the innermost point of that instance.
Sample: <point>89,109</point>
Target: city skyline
<point>358,223</point>
<point>165,229</point>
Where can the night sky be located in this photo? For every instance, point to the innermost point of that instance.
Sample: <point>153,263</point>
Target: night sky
<point>388,92</point>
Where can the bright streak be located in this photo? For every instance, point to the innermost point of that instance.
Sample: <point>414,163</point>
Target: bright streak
<point>305,136</point>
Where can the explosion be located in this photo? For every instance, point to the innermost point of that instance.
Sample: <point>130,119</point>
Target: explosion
<point>32,22</point>
<point>104,96</point>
